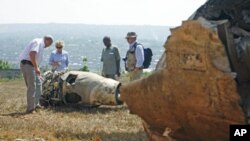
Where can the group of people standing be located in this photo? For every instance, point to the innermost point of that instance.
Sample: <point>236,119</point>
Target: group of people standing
<point>32,56</point>
<point>133,61</point>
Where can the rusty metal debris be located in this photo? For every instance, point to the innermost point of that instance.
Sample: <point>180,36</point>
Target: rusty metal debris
<point>187,97</point>
<point>201,83</point>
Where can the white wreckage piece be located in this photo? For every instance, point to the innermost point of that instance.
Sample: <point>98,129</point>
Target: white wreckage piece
<point>77,87</point>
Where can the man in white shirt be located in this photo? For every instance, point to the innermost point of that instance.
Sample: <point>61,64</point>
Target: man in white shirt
<point>30,59</point>
<point>134,57</point>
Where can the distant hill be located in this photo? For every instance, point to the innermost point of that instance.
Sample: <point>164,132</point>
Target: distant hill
<point>80,40</point>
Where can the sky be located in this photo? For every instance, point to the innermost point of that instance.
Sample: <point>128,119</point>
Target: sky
<point>107,12</point>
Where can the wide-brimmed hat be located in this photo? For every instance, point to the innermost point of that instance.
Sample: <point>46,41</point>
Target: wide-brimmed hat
<point>131,35</point>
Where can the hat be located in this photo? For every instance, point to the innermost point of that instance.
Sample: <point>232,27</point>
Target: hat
<point>131,34</point>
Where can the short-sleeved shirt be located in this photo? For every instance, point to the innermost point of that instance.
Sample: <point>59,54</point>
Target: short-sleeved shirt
<point>62,58</point>
<point>36,45</point>
<point>110,57</point>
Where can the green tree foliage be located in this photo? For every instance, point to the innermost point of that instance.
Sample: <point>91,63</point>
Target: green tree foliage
<point>85,64</point>
<point>4,65</point>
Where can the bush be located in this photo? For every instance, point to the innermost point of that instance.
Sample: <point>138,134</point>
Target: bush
<point>4,65</point>
<point>85,64</point>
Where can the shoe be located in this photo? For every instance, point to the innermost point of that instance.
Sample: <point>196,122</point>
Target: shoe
<point>31,111</point>
<point>39,107</point>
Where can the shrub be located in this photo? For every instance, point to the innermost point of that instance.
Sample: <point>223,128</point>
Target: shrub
<point>85,64</point>
<point>4,65</point>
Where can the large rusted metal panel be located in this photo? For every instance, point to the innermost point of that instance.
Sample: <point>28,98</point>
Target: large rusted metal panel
<point>187,98</point>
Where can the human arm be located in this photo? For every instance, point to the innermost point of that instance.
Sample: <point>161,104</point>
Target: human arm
<point>118,60</point>
<point>32,55</point>
<point>102,55</point>
<point>139,54</point>
<point>67,60</point>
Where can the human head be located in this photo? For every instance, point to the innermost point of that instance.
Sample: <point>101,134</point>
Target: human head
<point>48,40</point>
<point>59,45</point>
<point>107,41</point>
<point>131,37</point>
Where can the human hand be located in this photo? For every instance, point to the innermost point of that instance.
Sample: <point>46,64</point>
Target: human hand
<point>136,69</point>
<point>41,78</point>
<point>38,72</point>
<point>56,64</point>
<point>118,74</point>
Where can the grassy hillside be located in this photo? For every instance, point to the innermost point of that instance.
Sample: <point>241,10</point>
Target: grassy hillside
<point>65,122</point>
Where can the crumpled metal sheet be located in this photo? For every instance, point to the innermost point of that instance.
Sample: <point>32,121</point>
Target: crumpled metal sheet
<point>52,88</point>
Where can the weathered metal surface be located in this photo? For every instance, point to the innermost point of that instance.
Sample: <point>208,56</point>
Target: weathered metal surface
<point>92,88</point>
<point>200,85</point>
<point>80,88</point>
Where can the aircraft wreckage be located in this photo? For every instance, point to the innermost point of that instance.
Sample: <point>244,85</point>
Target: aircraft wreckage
<point>201,83</point>
<point>77,87</point>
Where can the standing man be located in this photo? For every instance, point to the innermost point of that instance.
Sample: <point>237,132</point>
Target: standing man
<point>134,58</point>
<point>111,59</point>
<point>31,58</point>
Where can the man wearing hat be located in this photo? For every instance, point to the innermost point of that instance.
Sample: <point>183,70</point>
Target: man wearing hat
<point>134,58</point>
<point>30,59</point>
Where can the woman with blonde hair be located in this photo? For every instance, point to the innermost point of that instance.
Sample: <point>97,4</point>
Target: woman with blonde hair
<point>59,59</point>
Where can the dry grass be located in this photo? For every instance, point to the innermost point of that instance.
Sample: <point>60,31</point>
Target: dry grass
<point>72,122</point>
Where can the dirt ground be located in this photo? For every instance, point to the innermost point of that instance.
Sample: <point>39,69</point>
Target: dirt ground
<point>71,122</point>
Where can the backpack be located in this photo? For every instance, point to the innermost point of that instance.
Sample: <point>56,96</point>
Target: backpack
<point>147,55</point>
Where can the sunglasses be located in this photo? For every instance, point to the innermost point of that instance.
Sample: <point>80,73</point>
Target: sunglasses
<point>59,47</point>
